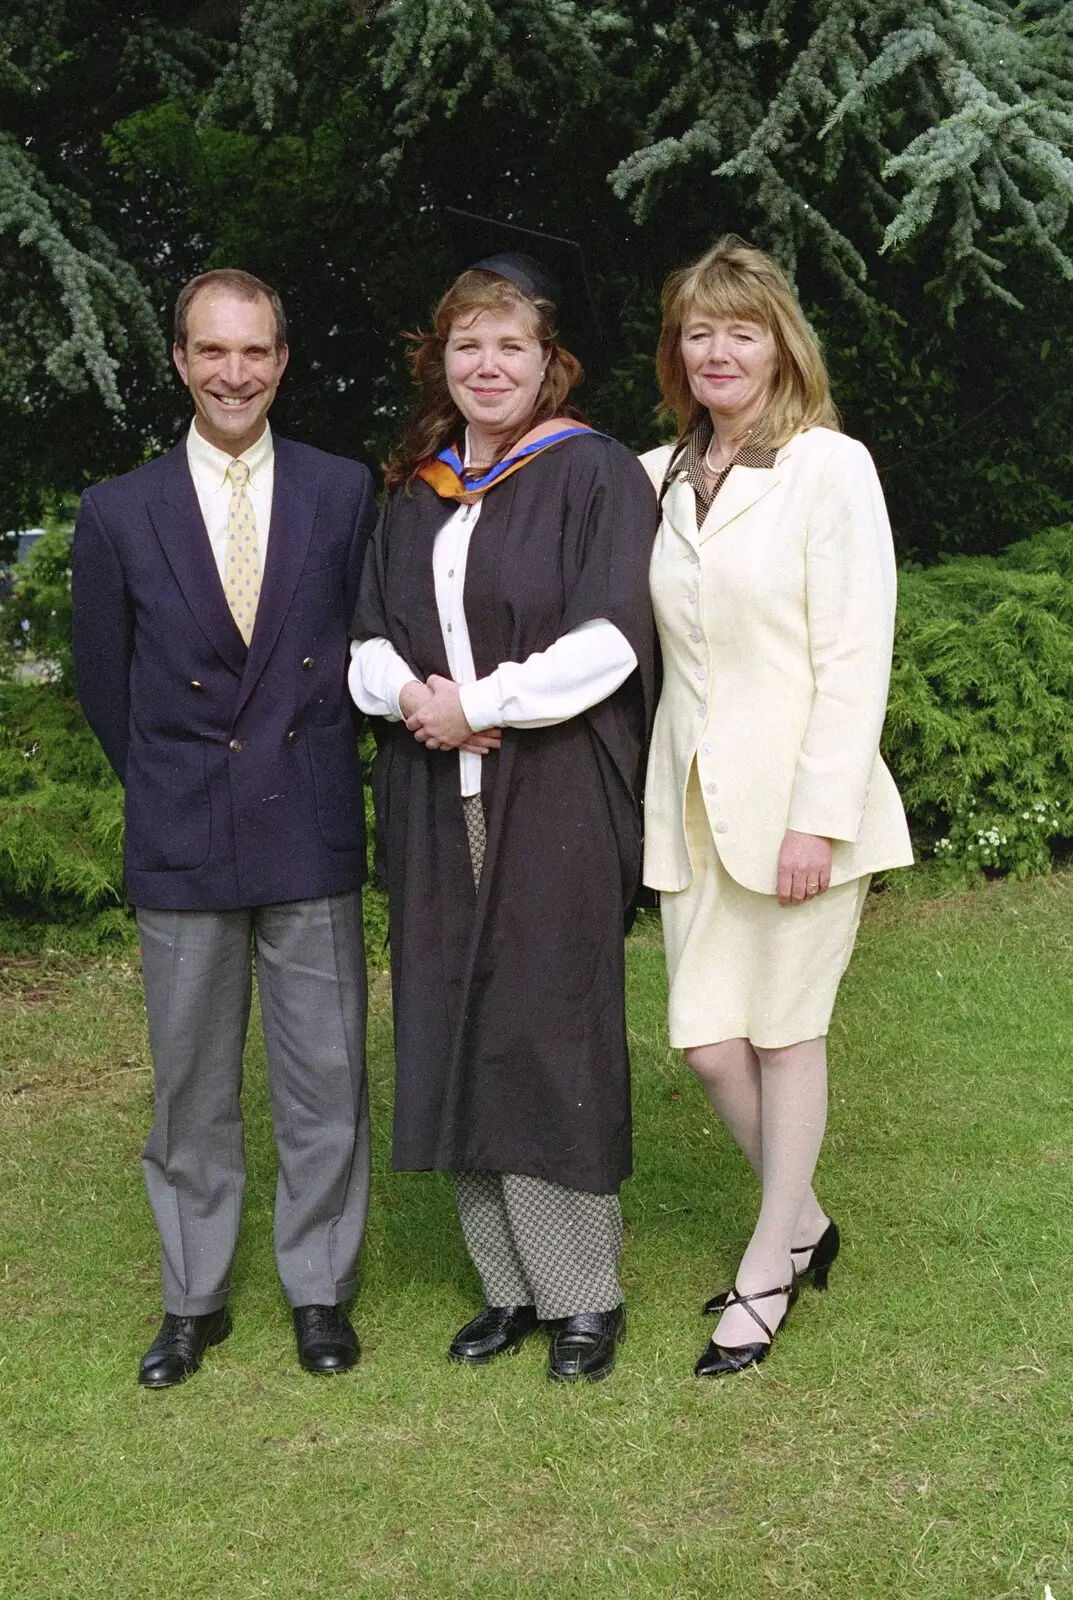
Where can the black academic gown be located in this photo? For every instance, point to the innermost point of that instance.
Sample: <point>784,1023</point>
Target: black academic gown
<point>510,1034</point>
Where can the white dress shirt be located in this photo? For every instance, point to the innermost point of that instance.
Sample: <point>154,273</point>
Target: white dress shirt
<point>208,468</point>
<point>578,670</point>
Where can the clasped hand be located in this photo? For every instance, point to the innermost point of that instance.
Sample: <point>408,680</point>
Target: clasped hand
<point>434,715</point>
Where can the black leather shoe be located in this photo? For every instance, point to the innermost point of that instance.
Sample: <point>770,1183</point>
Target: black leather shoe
<point>584,1346</point>
<point>498,1329</point>
<point>326,1341</point>
<point>177,1350</point>
<point>821,1254</point>
<point>719,1359</point>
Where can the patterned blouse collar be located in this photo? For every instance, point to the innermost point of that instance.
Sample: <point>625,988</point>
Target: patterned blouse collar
<point>687,465</point>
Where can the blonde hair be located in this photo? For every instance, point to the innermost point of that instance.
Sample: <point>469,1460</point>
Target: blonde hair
<point>736,280</point>
<point>435,417</point>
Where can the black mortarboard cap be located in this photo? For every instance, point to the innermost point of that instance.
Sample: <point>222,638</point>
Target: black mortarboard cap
<point>531,276</point>
<point>541,264</point>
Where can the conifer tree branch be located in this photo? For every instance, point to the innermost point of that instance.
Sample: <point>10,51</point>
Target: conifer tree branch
<point>104,304</point>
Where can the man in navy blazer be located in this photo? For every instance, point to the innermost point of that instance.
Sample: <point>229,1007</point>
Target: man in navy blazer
<point>212,592</point>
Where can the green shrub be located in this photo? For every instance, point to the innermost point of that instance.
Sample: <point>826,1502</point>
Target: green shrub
<point>35,617</point>
<point>979,737</point>
<point>979,729</point>
<point>61,830</point>
<point>61,809</point>
<point>374,895</point>
<point>1051,551</point>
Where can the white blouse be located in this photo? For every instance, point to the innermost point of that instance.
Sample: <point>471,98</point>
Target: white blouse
<point>577,671</point>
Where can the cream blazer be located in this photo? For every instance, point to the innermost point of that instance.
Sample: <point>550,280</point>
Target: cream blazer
<point>776,621</point>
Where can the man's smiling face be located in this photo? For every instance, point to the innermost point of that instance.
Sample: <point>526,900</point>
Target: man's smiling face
<point>231,366</point>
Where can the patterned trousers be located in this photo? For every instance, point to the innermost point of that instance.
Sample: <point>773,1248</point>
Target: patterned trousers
<point>534,1242</point>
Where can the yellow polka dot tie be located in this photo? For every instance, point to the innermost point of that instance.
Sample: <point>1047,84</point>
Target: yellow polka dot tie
<point>242,563</point>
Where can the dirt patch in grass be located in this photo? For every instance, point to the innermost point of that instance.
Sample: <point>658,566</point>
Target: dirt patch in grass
<point>72,1027</point>
<point>68,1089</point>
<point>34,982</point>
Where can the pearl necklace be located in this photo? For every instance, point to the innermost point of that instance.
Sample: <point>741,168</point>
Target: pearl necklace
<point>710,467</point>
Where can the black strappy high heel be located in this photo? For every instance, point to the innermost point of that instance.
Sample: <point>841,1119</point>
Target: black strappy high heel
<point>823,1251</point>
<point>719,1359</point>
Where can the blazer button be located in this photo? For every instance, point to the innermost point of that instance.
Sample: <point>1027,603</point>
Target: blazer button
<point>292,737</point>
<point>194,684</point>
<point>235,746</point>
<point>307,664</point>
<point>711,788</point>
<point>722,827</point>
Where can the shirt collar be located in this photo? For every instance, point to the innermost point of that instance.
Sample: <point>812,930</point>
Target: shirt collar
<point>690,462</point>
<point>214,463</point>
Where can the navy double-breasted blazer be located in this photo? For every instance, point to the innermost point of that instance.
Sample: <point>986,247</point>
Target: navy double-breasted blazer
<point>241,769</point>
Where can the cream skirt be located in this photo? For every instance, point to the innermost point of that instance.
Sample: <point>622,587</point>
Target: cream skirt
<point>739,965</point>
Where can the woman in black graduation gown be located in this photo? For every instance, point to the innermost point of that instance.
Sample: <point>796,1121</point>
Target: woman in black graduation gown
<point>504,634</point>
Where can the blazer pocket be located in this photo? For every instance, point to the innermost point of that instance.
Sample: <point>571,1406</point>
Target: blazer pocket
<point>168,812</point>
<point>333,755</point>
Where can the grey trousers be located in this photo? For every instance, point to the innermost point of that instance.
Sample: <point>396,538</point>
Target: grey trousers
<point>536,1243</point>
<point>198,985</point>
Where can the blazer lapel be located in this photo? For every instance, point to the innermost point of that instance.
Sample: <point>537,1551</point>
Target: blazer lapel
<point>741,491</point>
<point>680,509</point>
<point>294,509</point>
<point>180,528</point>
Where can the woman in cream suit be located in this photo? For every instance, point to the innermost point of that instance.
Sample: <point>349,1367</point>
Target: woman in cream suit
<point>767,803</point>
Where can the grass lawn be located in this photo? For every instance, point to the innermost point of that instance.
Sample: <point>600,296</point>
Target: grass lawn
<point>911,1435</point>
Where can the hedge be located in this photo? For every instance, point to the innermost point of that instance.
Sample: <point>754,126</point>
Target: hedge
<point>979,731</point>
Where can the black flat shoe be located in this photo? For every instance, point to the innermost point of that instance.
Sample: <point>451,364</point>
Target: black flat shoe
<point>496,1331</point>
<point>584,1346</point>
<point>175,1354</point>
<point>326,1341</point>
<point>719,1359</point>
<point>823,1251</point>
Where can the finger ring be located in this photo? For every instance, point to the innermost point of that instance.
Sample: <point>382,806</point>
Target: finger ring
<point>812,888</point>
